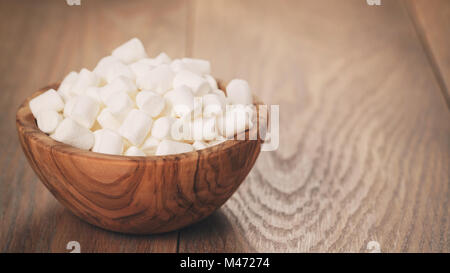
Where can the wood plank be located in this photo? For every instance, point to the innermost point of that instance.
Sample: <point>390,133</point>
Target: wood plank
<point>41,42</point>
<point>365,137</point>
<point>432,19</point>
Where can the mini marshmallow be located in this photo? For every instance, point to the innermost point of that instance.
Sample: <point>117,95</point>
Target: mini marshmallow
<point>181,101</point>
<point>150,145</point>
<point>158,79</point>
<point>203,129</point>
<point>85,79</point>
<point>104,65</point>
<point>212,105</point>
<point>162,127</point>
<point>199,145</point>
<point>72,133</point>
<point>49,100</point>
<point>68,107</point>
<point>119,84</point>
<point>177,65</point>
<point>142,96</point>
<point>198,66</point>
<point>198,84</point>
<point>107,142</point>
<point>116,69</point>
<point>141,67</point>
<point>162,58</point>
<point>119,105</point>
<point>238,92</point>
<point>67,84</point>
<point>48,120</point>
<point>222,97</point>
<point>130,51</point>
<point>198,108</point>
<point>94,93</point>
<point>209,128</point>
<point>150,102</point>
<point>211,81</point>
<point>107,120</point>
<point>134,151</point>
<point>168,147</point>
<point>136,126</point>
<point>84,110</point>
<point>236,120</point>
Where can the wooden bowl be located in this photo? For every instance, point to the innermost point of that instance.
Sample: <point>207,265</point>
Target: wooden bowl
<point>140,195</point>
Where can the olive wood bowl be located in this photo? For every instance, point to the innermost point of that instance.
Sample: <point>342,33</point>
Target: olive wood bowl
<point>139,195</point>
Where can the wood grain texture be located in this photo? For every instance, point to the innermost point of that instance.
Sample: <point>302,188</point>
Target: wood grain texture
<point>432,20</point>
<point>138,195</point>
<point>364,143</point>
<point>364,131</point>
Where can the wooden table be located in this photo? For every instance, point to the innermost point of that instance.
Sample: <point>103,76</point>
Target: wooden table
<point>364,119</point>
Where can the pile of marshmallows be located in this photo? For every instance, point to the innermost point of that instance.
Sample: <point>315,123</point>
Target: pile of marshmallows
<point>136,106</point>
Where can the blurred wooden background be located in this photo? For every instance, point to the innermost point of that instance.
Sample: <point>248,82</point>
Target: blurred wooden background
<point>365,134</point>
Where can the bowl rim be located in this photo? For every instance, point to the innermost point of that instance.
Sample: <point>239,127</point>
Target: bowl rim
<point>26,124</point>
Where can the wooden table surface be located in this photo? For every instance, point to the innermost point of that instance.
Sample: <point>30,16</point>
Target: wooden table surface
<point>364,119</point>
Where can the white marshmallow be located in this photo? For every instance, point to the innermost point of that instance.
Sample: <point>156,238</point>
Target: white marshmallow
<point>119,105</point>
<point>84,110</point>
<point>49,100</point>
<point>236,120</point>
<point>177,65</point>
<point>222,97</point>
<point>162,58</point>
<point>85,79</point>
<point>107,142</point>
<point>167,147</point>
<point>203,129</point>
<point>141,67</point>
<point>211,81</point>
<point>147,61</point>
<point>142,96</point>
<point>134,151</point>
<point>198,108</point>
<point>66,85</point>
<point>116,69</point>
<point>94,93</point>
<point>210,131</point>
<point>107,120</point>
<point>136,126</point>
<point>199,145</point>
<point>150,145</point>
<point>198,66</point>
<point>162,127</point>
<point>68,107</point>
<point>158,79</point>
<point>238,92</point>
<point>150,102</point>
<point>130,51</point>
<point>104,65</point>
<point>48,120</point>
<point>198,84</point>
<point>119,84</point>
<point>212,105</point>
<point>180,100</point>
<point>72,133</point>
